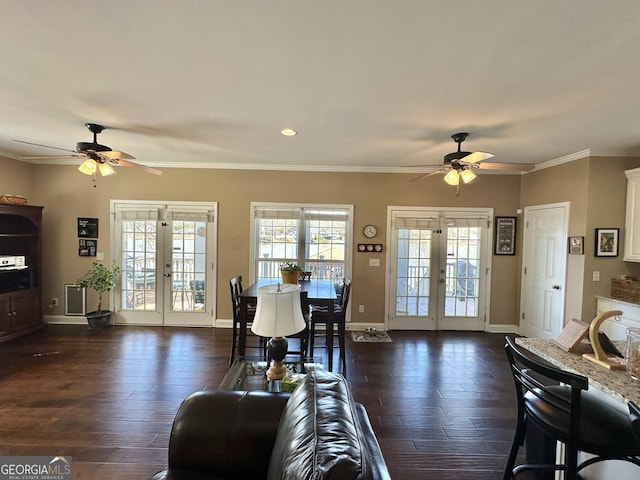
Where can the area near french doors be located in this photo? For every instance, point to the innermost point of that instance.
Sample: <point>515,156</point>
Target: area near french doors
<point>439,264</point>
<point>167,255</point>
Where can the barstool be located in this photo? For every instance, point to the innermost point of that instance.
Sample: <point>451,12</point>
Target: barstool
<point>559,403</point>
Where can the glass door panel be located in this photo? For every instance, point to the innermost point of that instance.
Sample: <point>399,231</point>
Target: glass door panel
<point>462,279</point>
<point>413,286</point>
<point>435,278</point>
<point>139,277</point>
<point>165,265</point>
<point>186,281</point>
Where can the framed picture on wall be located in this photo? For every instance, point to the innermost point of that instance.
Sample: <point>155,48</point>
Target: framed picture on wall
<point>576,245</point>
<point>87,248</point>
<point>505,236</point>
<point>88,227</point>
<point>607,242</point>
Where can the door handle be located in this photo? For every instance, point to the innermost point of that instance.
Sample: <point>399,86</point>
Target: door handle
<point>556,287</point>
<point>167,274</point>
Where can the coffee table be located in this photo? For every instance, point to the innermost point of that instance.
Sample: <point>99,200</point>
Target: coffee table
<point>250,373</point>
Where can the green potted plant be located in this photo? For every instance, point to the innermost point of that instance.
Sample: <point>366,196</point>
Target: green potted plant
<point>290,272</point>
<point>102,279</point>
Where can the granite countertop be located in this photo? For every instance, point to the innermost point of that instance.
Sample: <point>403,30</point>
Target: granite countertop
<point>613,382</point>
<point>631,304</point>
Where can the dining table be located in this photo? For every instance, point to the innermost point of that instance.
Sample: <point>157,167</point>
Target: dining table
<point>319,292</point>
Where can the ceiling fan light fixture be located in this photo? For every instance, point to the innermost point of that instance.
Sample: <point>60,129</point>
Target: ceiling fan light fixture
<point>467,175</point>
<point>106,169</point>
<point>452,178</point>
<point>88,167</point>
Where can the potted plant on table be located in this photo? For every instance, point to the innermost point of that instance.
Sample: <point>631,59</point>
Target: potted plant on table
<point>290,272</point>
<point>102,279</point>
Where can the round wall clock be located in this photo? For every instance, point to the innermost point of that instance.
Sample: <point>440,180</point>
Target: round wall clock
<point>369,231</point>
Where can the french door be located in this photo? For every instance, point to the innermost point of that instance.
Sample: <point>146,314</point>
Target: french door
<point>437,264</point>
<point>166,253</point>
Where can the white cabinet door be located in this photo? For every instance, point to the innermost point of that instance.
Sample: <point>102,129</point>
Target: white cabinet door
<point>632,219</point>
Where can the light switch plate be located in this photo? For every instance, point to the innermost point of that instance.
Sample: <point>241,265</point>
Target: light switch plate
<point>374,262</point>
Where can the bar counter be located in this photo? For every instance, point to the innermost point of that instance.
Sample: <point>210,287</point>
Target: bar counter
<point>615,383</point>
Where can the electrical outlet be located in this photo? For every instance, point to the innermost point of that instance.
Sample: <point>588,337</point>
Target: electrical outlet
<point>361,308</point>
<point>596,276</point>
<point>54,302</point>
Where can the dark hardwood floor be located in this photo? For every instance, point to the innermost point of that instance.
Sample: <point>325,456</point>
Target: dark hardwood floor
<point>442,403</point>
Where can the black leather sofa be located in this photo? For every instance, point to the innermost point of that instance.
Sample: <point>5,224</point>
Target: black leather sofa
<point>317,432</point>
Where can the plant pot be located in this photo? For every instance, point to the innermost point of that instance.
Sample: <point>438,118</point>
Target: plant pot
<point>289,276</point>
<point>98,321</point>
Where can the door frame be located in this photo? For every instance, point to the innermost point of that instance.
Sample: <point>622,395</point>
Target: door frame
<point>212,257</point>
<point>526,247</point>
<point>485,285</point>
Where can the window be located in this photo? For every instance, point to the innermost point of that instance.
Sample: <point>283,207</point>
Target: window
<point>317,237</point>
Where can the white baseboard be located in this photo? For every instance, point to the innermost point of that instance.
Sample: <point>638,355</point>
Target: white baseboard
<point>65,319</point>
<point>505,329</point>
<point>228,323</point>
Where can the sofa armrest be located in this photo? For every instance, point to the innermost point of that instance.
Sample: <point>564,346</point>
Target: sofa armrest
<point>225,434</point>
<point>376,463</point>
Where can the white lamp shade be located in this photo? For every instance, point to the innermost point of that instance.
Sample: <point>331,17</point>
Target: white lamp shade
<point>279,311</point>
<point>88,167</point>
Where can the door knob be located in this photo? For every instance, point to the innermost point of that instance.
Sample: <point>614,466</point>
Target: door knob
<point>167,274</point>
<point>556,287</point>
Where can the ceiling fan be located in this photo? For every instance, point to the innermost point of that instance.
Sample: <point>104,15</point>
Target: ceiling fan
<point>98,157</point>
<point>460,165</point>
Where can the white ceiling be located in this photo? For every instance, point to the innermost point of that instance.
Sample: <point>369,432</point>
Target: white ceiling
<point>370,85</point>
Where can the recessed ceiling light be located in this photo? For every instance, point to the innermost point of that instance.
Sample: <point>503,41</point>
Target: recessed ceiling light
<point>288,132</point>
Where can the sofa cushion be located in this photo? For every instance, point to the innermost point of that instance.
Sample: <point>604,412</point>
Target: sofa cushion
<point>319,434</point>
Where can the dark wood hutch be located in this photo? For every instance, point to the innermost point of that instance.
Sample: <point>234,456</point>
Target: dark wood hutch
<point>20,297</point>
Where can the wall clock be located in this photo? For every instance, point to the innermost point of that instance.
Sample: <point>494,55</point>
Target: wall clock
<point>369,231</point>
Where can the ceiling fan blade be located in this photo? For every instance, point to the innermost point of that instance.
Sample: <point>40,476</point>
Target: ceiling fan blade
<point>429,174</point>
<point>126,163</point>
<point>44,157</point>
<point>477,157</point>
<point>115,155</point>
<point>522,167</point>
<point>45,146</point>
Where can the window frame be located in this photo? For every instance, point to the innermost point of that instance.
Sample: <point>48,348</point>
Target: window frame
<point>301,207</point>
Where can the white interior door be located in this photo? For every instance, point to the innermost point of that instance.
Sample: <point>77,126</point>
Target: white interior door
<point>166,253</point>
<point>438,269</point>
<point>544,270</point>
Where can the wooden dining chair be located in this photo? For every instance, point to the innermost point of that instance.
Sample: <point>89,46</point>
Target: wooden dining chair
<point>305,276</point>
<point>334,323</point>
<point>235,286</point>
<point>559,404</point>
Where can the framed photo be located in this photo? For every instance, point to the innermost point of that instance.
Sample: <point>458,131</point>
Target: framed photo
<point>607,242</point>
<point>505,236</point>
<point>576,245</point>
<point>88,227</point>
<point>87,248</point>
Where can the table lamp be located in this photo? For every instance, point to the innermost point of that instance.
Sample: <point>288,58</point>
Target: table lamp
<point>278,313</point>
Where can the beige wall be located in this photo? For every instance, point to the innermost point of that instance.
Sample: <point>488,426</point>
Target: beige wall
<point>607,207</point>
<point>66,195</point>
<point>15,178</point>
<point>596,190</point>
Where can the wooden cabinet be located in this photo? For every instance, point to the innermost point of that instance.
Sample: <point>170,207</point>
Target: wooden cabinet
<point>632,217</point>
<point>20,299</point>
